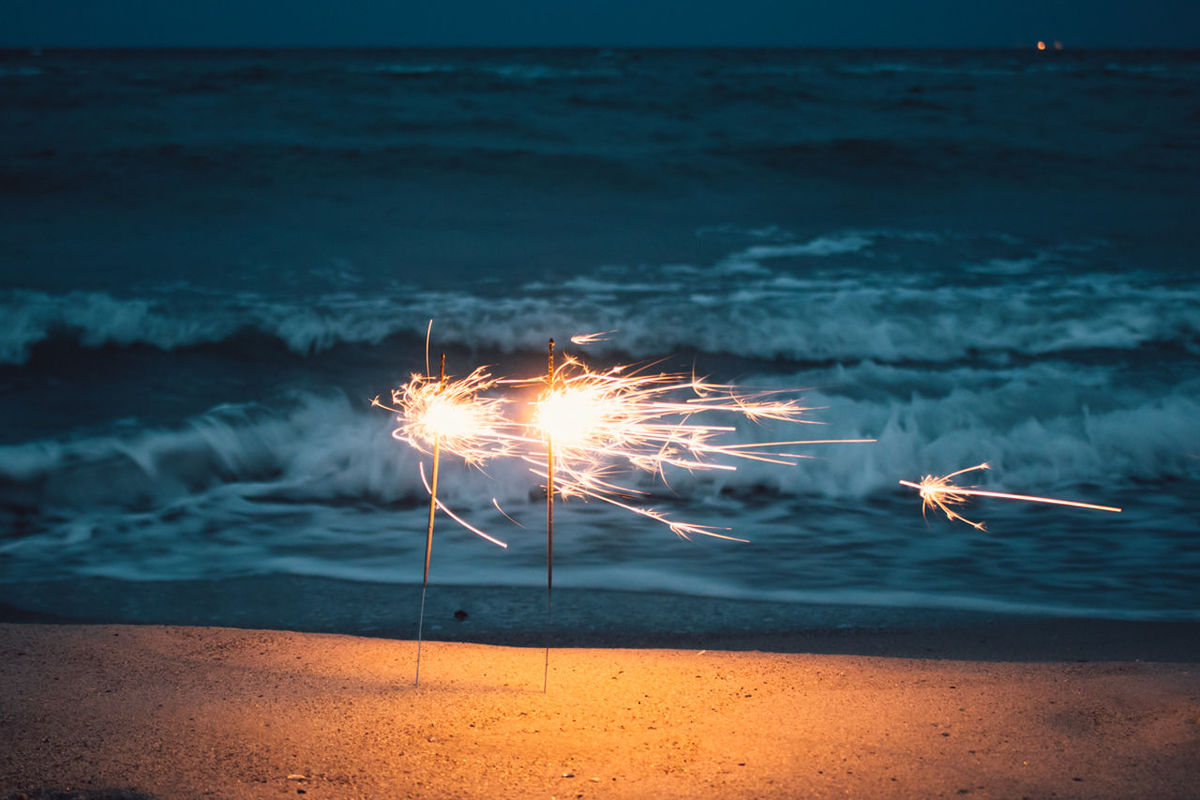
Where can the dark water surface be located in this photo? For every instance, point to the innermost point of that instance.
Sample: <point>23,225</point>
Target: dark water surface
<point>211,261</point>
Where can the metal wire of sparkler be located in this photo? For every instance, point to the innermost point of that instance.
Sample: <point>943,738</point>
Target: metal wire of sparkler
<point>940,493</point>
<point>454,416</point>
<point>437,452</point>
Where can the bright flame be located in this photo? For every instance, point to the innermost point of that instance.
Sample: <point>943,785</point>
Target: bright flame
<point>454,414</point>
<point>601,421</point>
<point>570,416</point>
<point>939,493</point>
<point>1041,45</point>
<point>448,419</point>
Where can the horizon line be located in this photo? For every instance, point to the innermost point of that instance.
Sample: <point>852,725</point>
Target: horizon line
<point>1031,46</point>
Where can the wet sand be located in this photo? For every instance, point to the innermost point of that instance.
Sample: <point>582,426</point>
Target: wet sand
<point>104,711</point>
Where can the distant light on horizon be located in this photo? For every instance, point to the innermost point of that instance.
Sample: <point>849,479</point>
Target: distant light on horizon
<point>1041,45</point>
<point>624,23</point>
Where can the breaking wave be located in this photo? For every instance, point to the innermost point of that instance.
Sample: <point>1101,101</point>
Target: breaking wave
<point>329,449</point>
<point>797,301</point>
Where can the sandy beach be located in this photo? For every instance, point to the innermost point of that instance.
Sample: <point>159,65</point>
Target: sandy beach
<point>107,711</point>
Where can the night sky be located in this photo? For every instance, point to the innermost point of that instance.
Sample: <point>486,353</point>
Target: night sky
<point>793,23</point>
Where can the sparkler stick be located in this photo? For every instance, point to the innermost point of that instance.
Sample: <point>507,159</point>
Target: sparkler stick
<point>433,481</point>
<point>939,493</point>
<point>449,416</point>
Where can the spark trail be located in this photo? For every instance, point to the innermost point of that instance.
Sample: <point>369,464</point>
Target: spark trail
<point>940,493</point>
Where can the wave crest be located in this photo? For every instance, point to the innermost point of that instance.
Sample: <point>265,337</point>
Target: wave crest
<point>799,301</point>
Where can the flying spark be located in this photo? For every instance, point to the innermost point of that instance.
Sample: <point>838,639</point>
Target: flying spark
<point>590,338</point>
<point>941,494</point>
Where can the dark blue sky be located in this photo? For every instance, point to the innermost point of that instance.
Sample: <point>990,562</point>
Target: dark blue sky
<point>820,23</point>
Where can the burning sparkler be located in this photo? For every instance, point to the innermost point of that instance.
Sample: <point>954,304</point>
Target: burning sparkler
<point>591,423</point>
<point>594,421</point>
<point>941,494</point>
<point>454,416</point>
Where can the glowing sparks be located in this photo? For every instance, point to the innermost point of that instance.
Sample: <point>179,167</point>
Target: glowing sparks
<point>454,414</point>
<point>572,417</point>
<point>590,338</point>
<point>456,517</point>
<point>941,494</point>
<point>599,421</point>
<point>588,425</point>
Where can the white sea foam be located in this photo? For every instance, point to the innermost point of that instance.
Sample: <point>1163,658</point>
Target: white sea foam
<point>750,261</point>
<point>1047,425</point>
<point>752,306</point>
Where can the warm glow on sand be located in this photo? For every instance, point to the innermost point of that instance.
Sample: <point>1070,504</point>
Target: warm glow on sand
<point>774,716</point>
<point>939,493</point>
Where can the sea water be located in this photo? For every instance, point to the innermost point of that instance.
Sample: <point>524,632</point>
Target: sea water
<point>210,262</point>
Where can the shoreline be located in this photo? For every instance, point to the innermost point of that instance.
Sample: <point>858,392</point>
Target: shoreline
<point>136,712</point>
<point>516,616</point>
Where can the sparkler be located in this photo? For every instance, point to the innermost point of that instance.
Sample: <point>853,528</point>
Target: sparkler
<point>455,414</point>
<point>452,416</point>
<point>941,494</point>
<point>590,423</point>
<point>586,425</point>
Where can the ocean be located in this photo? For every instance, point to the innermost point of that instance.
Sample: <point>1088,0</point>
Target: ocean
<point>212,261</point>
